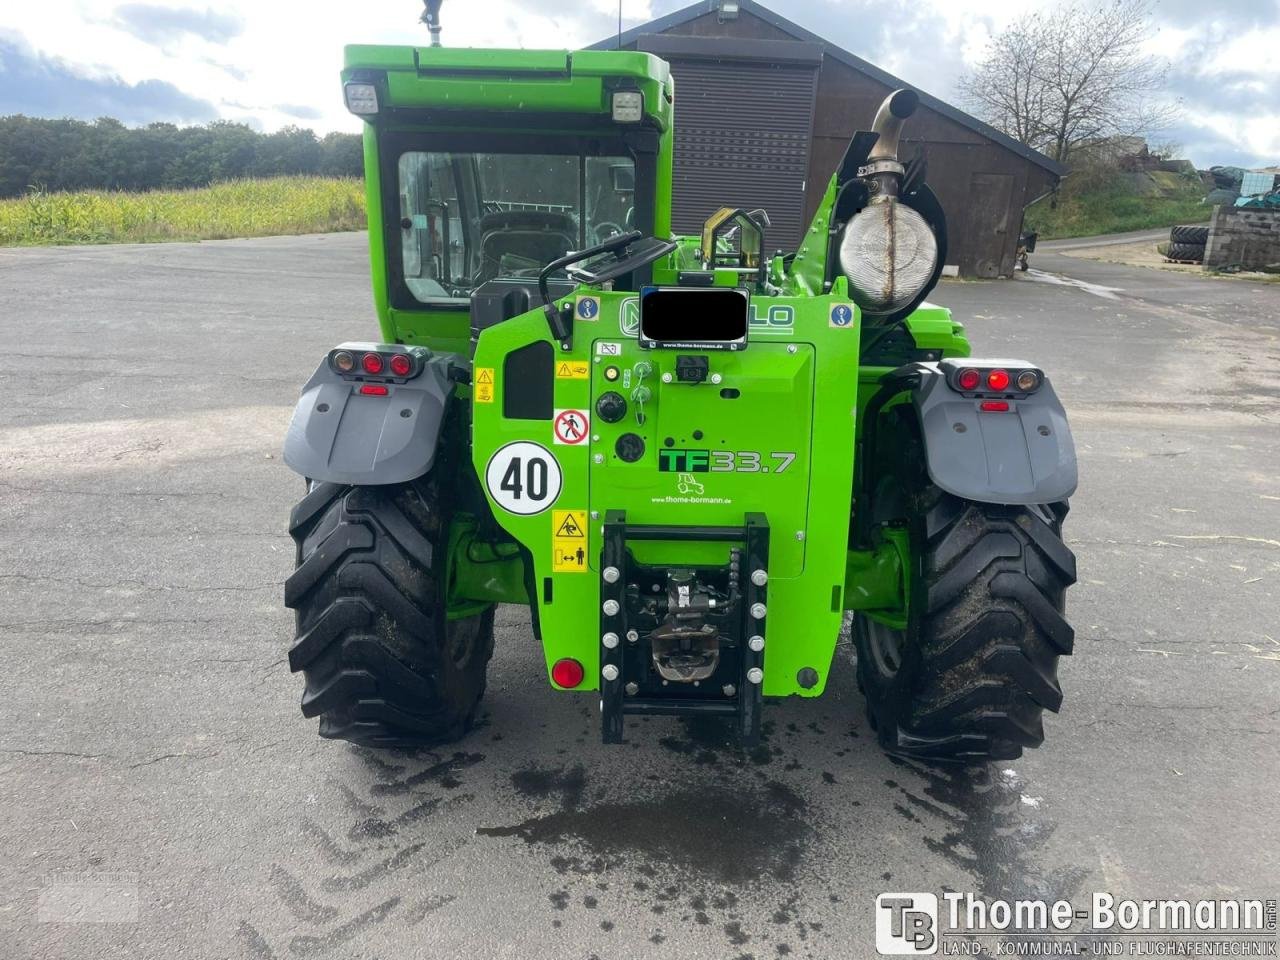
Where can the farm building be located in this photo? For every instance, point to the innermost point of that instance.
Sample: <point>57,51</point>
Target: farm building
<point>765,109</point>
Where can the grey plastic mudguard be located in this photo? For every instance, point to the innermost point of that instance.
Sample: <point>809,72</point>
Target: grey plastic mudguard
<point>339,435</point>
<point>1023,456</point>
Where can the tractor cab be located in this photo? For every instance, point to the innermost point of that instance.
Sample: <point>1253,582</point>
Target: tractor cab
<point>487,165</point>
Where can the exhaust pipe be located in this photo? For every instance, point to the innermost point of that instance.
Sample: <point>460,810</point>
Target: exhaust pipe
<point>883,169</point>
<point>897,107</point>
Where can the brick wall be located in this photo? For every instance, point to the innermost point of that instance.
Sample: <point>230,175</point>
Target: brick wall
<point>1243,236</point>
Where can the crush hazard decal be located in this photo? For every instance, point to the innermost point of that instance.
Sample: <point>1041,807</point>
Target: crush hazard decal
<point>568,541</point>
<point>523,478</point>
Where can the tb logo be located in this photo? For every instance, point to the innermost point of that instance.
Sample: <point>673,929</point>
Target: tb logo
<point>906,924</point>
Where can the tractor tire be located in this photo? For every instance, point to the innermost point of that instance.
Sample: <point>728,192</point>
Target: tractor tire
<point>1195,236</point>
<point>976,667</point>
<point>382,663</point>
<point>1186,251</point>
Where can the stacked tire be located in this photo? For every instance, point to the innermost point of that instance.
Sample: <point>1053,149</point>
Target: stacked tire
<point>1186,243</point>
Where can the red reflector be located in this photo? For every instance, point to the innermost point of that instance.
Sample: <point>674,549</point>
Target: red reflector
<point>969,379</point>
<point>400,364</point>
<point>373,390</point>
<point>995,406</point>
<point>998,380</point>
<point>567,673</point>
<point>371,362</point>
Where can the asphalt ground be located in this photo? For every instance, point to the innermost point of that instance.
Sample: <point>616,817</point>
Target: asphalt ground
<point>163,797</point>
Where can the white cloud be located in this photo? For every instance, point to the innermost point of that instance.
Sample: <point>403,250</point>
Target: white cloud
<point>287,51</point>
<point>250,58</point>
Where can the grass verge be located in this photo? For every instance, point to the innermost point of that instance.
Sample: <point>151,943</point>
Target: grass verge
<point>1091,205</point>
<point>236,208</point>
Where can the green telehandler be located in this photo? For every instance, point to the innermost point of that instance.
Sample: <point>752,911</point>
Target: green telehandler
<point>690,457</point>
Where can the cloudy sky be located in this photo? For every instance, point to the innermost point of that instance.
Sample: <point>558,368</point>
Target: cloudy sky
<point>274,62</point>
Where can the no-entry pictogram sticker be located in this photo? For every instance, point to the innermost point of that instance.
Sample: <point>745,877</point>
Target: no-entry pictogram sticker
<point>571,427</point>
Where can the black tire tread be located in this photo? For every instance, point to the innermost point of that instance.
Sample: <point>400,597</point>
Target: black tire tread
<point>1186,251</point>
<point>984,664</point>
<point>1194,235</point>
<point>372,639</point>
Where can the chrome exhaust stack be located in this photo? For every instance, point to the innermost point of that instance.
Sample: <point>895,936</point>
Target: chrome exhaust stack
<point>883,168</point>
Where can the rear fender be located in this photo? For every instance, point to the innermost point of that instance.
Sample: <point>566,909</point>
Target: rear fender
<point>1023,456</point>
<point>340,435</point>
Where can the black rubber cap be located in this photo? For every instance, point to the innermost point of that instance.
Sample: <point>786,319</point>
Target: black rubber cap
<point>611,407</point>
<point>630,447</point>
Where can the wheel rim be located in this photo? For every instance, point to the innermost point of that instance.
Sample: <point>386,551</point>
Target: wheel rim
<point>885,644</point>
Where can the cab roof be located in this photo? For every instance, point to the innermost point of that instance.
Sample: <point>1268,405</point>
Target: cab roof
<point>544,81</point>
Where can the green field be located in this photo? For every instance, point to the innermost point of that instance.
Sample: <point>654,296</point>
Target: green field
<point>237,208</point>
<point>1090,205</point>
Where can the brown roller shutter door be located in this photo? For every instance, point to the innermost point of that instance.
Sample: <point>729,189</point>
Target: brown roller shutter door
<point>742,140</point>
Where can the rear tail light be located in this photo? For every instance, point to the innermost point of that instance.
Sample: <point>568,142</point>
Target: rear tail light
<point>373,390</point>
<point>988,381</point>
<point>361,361</point>
<point>994,406</point>
<point>567,673</point>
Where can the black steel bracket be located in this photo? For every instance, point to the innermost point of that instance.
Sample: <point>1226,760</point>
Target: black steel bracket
<point>745,706</point>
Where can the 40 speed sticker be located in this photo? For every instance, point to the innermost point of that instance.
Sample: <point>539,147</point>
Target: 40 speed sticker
<point>523,478</point>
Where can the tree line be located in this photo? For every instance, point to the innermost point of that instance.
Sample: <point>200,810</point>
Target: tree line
<point>69,154</point>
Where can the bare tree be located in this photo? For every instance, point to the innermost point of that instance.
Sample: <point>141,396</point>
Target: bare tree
<point>1076,76</point>
<point>1007,88</point>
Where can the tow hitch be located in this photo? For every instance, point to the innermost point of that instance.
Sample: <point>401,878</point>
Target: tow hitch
<point>683,641</point>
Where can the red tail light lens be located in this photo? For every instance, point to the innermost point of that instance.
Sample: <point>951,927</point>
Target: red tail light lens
<point>995,406</point>
<point>998,380</point>
<point>372,363</point>
<point>373,390</point>
<point>400,364</point>
<point>567,673</point>
<point>969,379</point>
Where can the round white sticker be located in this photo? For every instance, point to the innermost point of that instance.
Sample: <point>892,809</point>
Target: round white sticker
<point>523,478</point>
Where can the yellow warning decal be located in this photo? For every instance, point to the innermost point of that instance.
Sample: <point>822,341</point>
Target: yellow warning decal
<point>568,541</point>
<point>484,385</point>
<point>573,370</point>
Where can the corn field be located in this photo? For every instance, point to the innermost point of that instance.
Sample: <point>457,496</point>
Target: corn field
<point>236,208</point>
